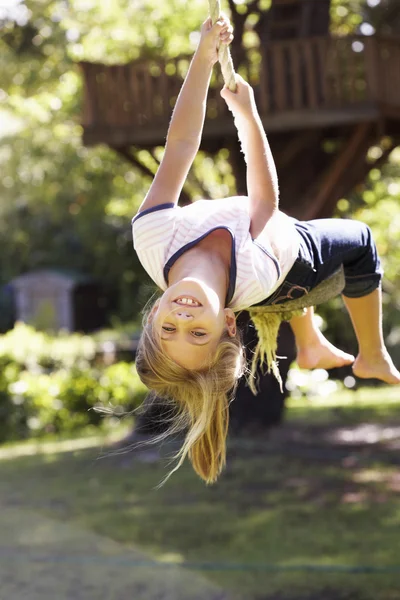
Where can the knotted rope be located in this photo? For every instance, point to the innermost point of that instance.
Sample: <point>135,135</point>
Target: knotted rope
<point>224,55</point>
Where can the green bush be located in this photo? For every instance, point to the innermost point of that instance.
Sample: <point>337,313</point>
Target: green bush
<point>56,385</point>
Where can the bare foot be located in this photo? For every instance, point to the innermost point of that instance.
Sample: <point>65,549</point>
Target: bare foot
<point>378,367</point>
<point>322,355</point>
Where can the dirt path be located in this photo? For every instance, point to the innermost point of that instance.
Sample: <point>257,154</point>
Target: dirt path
<point>43,559</point>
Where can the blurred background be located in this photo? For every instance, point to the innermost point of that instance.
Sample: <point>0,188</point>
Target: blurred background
<point>308,505</point>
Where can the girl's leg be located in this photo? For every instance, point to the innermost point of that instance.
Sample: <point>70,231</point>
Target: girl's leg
<point>313,349</point>
<point>335,241</point>
<point>373,360</point>
<point>327,244</point>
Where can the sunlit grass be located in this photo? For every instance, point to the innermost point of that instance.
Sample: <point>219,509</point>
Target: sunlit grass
<point>365,404</point>
<point>90,437</point>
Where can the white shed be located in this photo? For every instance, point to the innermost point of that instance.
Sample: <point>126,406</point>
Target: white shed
<point>45,299</point>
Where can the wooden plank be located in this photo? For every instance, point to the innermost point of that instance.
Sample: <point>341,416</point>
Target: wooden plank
<point>130,107</point>
<point>278,66</point>
<point>321,46</point>
<point>154,133</point>
<point>177,78</point>
<point>111,96</point>
<point>308,56</point>
<point>389,111</point>
<point>89,104</point>
<point>264,94</point>
<point>148,94</point>
<point>94,91</point>
<point>131,114</point>
<point>390,75</point>
<point>164,92</point>
<point>351,73</point>
<point>105,83</point>
<point>295,71</point>
<point>372,71</point>
<point>385,65</point>
<point>94,94</point>
<point>102,79</point>
<point>134,88</point>
<point>122,107</point>
<point>395,74</point>
<point>336,96</point>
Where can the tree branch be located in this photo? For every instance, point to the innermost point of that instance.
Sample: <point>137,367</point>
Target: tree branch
<point>253,6</point>
<point>129,155</point>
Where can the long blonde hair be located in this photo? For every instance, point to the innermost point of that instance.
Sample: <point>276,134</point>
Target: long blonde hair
<point>201,397</point>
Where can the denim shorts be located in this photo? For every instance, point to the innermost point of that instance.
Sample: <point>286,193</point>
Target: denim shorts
<point>325,245</point>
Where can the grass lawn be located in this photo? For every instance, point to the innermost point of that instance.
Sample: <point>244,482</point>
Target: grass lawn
<point>290,517</point>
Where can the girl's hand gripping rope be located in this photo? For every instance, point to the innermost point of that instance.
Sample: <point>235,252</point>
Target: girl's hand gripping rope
<point>214,35</point>
<point>241,103</point>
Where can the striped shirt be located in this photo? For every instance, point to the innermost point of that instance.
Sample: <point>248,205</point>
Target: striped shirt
<point>163,233</point>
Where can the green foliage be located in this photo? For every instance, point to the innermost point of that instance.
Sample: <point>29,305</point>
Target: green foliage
<point>346,16</point>
<point>54,385</point>
<point>121,31</point>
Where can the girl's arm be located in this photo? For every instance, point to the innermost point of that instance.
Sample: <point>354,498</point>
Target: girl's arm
<point>262,179</point>
<point>184,133</point>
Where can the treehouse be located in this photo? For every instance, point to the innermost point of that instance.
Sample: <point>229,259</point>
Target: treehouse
<point>324,102</point>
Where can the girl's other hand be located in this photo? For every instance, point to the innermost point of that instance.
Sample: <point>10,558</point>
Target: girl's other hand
<point>213,35</point>
<point>241,103</point>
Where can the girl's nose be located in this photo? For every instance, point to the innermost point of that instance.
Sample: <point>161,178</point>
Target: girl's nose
<point>184,316</point>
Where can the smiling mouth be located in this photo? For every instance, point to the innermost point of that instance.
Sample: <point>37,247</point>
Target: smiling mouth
<point>187,301</point>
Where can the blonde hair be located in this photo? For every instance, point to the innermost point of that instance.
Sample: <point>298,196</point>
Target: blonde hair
<point>267,325</point>
<point>202,397</point>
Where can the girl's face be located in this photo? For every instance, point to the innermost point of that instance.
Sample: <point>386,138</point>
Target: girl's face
<point>190,320</point>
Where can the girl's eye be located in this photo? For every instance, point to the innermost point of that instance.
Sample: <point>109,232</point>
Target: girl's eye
<point>194,333</point>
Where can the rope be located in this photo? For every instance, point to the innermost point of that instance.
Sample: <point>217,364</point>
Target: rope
<point>224,55</point>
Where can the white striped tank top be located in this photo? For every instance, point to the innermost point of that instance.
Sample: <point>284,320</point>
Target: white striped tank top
<point>163,233</point>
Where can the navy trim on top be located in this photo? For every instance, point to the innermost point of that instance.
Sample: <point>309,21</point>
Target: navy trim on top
<point>232,270</point>
<point>153,209</point>
<point>277,267</point>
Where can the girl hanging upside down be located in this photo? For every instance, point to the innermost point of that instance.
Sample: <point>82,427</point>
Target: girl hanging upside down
<point>217,257</point>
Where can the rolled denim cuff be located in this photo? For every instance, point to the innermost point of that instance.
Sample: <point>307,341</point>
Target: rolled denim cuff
<point>357,287</point>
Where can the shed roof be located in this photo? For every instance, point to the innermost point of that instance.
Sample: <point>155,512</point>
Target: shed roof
<point>64,277</point>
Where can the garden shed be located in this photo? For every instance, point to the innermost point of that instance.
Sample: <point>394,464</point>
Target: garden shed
<point>55,299</point>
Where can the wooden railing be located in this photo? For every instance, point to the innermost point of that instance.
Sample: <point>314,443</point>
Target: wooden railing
<point>298,75</point>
